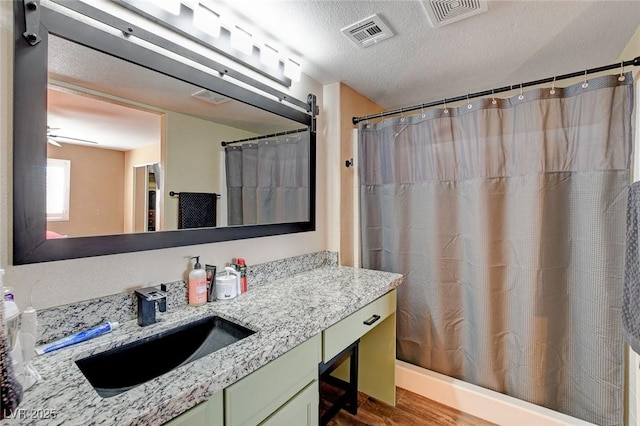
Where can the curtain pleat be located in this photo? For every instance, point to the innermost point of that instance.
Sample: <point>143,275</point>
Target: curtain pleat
<point>508,223</point>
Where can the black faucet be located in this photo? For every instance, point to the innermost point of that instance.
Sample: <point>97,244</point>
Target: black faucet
<point>147,298</point>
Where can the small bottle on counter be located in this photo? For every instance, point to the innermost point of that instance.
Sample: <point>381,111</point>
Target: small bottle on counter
<point>211,282</point>
<point>242,268</point>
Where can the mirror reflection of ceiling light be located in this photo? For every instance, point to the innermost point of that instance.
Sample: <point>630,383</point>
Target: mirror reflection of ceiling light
<point>206,20</point>
<point>269,56</point>
<point>241,40</point>
<point>171,6</point>
<point>292,70</point>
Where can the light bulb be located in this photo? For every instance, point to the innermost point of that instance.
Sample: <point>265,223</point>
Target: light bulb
<point>292,70</point>
<point>207,21</point>
<point>241,40</point>
<point>171,6</point>
<point>269,56</point>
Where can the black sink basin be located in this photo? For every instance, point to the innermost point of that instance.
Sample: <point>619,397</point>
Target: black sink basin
<point>125,367</point>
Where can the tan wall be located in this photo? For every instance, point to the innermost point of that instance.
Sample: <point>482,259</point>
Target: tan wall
<point>631,51</point>
<point>136,157</point>
<point>96,199</point>
<point>352,104</point>
<point>192,160</point>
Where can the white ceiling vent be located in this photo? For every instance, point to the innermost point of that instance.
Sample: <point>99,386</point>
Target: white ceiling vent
<point>444,12</point>
<point>368,32</point>
<point>209,96</point>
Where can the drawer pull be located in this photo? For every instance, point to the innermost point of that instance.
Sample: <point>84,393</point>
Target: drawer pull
<point>371,320</point>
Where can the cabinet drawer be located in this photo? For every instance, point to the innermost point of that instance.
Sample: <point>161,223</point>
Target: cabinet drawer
<point>253,398</point>
<point>343,333</point>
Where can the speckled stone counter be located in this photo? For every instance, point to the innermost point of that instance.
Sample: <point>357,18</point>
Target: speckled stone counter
<point>284,313</point>
<point>60,321</point>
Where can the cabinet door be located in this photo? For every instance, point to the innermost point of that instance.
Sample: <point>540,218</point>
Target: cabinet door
<point>300,410</point>
<point>252,399</point>
<point>208,413</point>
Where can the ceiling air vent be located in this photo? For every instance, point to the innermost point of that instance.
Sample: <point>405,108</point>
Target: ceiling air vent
<point>444,12</point>
<point>368,31</point>
<point>209,96</point>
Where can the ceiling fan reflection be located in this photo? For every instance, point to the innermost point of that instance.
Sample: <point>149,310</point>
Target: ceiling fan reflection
<point>56,139</point>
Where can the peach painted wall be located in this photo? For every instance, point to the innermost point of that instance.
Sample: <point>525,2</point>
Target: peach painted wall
<point>96,200</point>
<point>352,104</point>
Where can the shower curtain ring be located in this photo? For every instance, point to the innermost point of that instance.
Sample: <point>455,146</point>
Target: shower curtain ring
<point>446,110</point>
<point>553,87</point>
<point>493,97</point>
<point>621,77</point>
<point>423,114</point>
<point>586,83</point>
<point>521,96</point>
<point>469,106</point>
<point>402,114</point>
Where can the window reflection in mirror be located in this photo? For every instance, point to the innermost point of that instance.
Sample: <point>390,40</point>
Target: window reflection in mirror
<point>133,136</point>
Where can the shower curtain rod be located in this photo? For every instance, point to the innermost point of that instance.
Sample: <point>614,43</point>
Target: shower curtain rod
<point>633,62</point>
<point>286,132</point>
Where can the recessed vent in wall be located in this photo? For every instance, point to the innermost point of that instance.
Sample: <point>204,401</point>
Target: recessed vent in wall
<point>368,31</point>
<point>444,12</point>
<point>209,96</point>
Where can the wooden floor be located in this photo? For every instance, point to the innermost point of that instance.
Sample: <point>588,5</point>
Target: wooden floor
<point>411,409</point>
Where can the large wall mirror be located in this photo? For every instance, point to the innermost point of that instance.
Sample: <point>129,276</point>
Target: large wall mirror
<point>118,148</point>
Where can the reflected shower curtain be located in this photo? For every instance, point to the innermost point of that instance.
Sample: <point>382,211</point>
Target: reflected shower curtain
<point>268,181</point>
<point>508,223</point>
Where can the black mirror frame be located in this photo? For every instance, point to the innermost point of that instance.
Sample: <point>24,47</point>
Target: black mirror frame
<point>29,150</point>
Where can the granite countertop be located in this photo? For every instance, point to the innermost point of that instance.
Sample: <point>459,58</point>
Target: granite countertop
<point>284,313</point>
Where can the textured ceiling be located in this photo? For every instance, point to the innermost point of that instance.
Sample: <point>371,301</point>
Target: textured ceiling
<point>513,42</point>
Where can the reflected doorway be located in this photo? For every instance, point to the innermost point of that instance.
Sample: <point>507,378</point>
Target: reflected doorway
<point>146,198</point>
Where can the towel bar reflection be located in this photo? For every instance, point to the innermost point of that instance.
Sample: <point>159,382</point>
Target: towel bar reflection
<point>175,194</point>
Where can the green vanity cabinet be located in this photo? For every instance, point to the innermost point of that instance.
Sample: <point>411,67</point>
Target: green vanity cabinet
<point>273,389</point>
<point>375,326</point>
<point>207,413</point>
<point>285,391</point>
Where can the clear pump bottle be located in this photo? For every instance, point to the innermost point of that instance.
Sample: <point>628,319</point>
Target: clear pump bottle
<point>197,286</point>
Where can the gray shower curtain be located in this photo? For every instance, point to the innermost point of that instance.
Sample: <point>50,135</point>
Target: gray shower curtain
<point>508,222</point>
<point>268,181</point>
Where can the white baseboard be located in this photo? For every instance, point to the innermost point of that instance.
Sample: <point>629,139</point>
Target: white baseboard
<point>475,400</point>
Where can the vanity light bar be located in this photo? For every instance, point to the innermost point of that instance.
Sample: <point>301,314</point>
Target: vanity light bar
<point>202,25</point>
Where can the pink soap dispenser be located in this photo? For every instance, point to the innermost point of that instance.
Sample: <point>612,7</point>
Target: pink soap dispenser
<point>197,287</point>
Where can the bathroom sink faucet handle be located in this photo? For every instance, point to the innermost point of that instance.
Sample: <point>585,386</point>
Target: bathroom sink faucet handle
<point>162,304</point>
<point>147,298</point>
